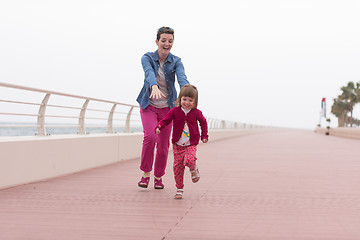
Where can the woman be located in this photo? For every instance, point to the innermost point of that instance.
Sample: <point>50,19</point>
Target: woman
<point>156,98</point>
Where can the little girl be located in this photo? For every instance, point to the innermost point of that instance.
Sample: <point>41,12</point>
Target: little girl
<point>185,136</point>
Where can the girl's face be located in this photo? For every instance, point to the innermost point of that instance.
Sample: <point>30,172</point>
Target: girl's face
<point>187,102</point>
<point>165,43</point>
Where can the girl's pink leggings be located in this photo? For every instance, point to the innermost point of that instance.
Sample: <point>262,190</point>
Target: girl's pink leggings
<point>150,117</point>
<point>183,156</point>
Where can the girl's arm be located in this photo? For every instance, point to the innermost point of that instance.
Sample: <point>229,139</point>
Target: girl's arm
<point>165,121</point>
<point>204,127</point>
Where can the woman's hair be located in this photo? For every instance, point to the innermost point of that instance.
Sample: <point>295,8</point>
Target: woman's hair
<point>188,91</point>
<point>164,30</point>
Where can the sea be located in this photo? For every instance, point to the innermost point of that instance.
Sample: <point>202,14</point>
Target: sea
<point>12,130</point>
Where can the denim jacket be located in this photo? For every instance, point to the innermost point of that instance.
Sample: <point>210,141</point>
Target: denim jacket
<point>172,66</point>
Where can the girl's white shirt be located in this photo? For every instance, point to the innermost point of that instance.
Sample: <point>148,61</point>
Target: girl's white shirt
<point>185,136</point>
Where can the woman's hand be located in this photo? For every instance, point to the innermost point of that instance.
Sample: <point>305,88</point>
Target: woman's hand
<point>156,93</point>
<point>204,140</point>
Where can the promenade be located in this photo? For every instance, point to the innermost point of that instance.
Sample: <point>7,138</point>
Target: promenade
<point>286,185</point>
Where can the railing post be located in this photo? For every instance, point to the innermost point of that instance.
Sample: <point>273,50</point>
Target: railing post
<point>223,124</point>
<point>41,116</point>
<point>110,119</point>
<point>82,118</point>
<point>217,124</point>
<point>127,124</point>
<point>211,123</point>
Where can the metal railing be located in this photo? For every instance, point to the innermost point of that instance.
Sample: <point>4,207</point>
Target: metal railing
<point>43,106</point>
<point>214,123</point>
<point>41,111</point>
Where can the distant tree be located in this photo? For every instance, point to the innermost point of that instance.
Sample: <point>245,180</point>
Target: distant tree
<point>357,92</point>
<point>345,103</point>
<point>356,122</point>
<point>340,109</point>
<point>350,97</point>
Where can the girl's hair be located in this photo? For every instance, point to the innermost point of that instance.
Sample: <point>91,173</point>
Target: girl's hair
<point>188,91</point>
<point>164,30</point>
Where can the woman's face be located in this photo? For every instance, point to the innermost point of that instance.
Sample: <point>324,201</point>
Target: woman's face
<point>165,43</point>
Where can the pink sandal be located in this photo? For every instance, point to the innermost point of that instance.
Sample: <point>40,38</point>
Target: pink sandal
<point>144,182</point>
<point>158,184</point>
<point>179,194</point>
<point>195,175</point>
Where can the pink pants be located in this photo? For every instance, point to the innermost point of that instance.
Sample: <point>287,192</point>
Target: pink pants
<point>150,117</point>
<point>183,156</point>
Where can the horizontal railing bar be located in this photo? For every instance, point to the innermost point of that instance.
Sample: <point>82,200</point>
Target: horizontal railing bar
<point>96,118</point>
<point>59,106</point>
<point>102,126</point>
<point>96,110</point>
<point>58,116</point>
<point>122,113</point>
<point>28,103</point>
<point>19,114</point>
<point>62,94</point>
<point>125,120</point>
<point>14,126</point>
<point>60,126</point>
<point>135,114</point>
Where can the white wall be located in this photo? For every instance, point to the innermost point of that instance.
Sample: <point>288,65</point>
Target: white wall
<point>341,132</point>
<point>29,159</point>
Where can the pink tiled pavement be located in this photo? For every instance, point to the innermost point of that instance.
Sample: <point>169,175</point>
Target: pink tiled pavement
<point>289,185</point>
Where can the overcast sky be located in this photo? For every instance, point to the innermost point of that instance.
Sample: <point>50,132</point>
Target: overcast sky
<point>265,62</point>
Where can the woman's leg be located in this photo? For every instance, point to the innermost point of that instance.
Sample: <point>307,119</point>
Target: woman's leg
<point>162,144</point>
<point>179,166</point>
<point>149,122</point>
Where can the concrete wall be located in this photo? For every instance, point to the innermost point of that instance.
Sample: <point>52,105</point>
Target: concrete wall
<point>353,133</point>
<point>29,159</point>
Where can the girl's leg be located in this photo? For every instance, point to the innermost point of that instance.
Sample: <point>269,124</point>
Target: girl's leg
<point>190,157</point>
<point>162,144</point>
<point>190,161</point>
<point>179,167</point>
<point>149,121</point>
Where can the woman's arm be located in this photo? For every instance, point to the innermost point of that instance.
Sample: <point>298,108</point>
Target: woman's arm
<point>180,73</point>
<point>150,78</point>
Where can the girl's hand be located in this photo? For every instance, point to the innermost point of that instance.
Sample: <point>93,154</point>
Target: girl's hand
<point>204,140</point>
<point>157,130</point>
<point>156,93</point>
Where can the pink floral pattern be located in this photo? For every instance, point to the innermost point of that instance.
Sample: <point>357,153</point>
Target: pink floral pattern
<point>184,156</point>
